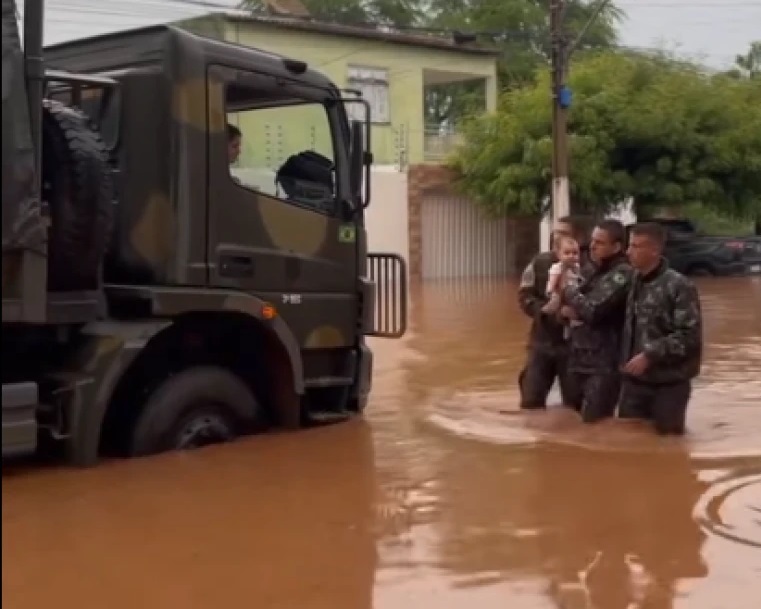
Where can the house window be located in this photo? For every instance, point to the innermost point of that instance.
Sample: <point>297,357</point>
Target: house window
<point>373,83</point>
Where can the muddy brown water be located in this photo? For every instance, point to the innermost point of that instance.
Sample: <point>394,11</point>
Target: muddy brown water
<point>435,499</point>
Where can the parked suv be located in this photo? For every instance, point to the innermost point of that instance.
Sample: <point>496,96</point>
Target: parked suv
<point>694,254</point>
<point>704,256</point>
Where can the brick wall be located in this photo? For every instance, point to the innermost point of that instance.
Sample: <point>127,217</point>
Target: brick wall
<point>424,180</point>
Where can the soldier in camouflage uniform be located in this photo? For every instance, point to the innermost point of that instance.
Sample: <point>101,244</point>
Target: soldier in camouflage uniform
<point>662,337</point>
<point>594,381</point>
<point>547,349</point>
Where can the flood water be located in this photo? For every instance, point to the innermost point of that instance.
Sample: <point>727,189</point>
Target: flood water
<point>443,496</point>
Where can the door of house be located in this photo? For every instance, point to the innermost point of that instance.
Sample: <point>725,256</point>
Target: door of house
<point>460,241</point>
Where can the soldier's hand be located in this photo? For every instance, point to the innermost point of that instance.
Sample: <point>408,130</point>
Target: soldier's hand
<point>637,365</point>
<point>550,308</point>
<point>568,312</point>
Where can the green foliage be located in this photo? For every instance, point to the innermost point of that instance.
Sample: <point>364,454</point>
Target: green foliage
<point>647,127</point>
<point>710,222</point>
<point>750,63</point>
<point>520,28</point>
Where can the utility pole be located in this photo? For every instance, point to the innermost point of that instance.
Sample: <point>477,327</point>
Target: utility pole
<point>561,100</point>
<point>561,200</point>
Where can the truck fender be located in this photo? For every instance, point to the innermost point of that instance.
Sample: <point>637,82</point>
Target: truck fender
<point>251,305</point>
<point>173,302</point>
<point>109,350</point>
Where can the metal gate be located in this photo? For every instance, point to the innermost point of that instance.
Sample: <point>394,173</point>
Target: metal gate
<point>460,241</point>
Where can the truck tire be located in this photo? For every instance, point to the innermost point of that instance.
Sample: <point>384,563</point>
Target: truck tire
<point>199,406</point>
<point>79,190</point>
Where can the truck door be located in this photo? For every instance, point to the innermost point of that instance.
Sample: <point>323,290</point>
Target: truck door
<point>281,239</point>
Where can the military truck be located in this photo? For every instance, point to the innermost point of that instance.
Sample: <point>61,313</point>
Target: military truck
<point>152,299</point>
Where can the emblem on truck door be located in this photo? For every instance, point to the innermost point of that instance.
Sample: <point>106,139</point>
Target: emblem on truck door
<point>347,233</point>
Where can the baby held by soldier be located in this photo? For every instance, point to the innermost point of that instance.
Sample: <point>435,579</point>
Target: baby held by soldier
<point>619,329</point>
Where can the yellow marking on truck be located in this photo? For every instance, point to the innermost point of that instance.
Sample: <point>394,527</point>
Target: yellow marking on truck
<point>152,235</point>
<point>325,337</point>
<point>293,229</point>
<point>189,104</point>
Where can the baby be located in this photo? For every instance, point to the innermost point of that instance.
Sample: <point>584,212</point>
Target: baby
<point>567,269</point>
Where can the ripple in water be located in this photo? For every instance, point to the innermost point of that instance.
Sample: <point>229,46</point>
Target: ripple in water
<point>479,416</point>
<point>493,417</point>
<point>731,508</point>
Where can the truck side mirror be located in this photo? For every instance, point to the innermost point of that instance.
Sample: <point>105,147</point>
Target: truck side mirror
<point>356,154</point>
<point>360,162</point>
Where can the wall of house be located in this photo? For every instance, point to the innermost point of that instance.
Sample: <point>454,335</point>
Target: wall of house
<point>386,218</point>
<point>333,55</point>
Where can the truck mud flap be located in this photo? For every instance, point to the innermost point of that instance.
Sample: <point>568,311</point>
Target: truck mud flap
<point>386,313</point>
<point>19,419</point>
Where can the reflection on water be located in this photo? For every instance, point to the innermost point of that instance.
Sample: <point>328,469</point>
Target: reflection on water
<point>445,497</point>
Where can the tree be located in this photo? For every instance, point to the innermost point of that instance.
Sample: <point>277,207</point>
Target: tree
<point>642,126</point>
<point>750,63</point>
<point>520,28</point>
<point>749,66</point>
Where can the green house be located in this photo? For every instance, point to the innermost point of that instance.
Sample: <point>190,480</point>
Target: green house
<point>392,70</point>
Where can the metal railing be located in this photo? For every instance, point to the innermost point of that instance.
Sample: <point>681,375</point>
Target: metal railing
<point>389,274</point>
<point>439,145</point>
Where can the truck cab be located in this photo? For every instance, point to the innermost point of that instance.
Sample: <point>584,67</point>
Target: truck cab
<point>236,287</point>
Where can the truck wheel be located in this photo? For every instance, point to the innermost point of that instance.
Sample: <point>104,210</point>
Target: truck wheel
<point>197,407</point>
<point>79,190</point>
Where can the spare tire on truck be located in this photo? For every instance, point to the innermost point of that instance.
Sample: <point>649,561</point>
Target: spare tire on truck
<point>78,186</point>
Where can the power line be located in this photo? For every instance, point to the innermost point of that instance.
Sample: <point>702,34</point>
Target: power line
<point>152,11</point>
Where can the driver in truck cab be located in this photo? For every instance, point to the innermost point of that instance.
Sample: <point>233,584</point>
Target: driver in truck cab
<point>234,139</point>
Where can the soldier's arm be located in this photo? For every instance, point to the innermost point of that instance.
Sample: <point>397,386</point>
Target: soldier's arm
<point>687,335</point>
<point>530,299</point>
<point>607,295</point>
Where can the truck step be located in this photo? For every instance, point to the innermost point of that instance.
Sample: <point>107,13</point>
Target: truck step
<point>19,416</point>
<point>328,381</point>
<point>327,417</point>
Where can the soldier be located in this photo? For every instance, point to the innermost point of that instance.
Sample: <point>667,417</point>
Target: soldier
<point>547,350</point>
<point>599,303</point>
<point>662,338</point>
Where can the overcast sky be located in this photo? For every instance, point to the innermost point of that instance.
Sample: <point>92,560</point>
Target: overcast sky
<point>712,31</point>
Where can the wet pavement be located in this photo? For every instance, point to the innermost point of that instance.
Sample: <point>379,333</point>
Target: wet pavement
<point>439,498</point>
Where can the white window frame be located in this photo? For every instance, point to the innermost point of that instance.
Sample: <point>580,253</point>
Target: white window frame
<point>374,86</point>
